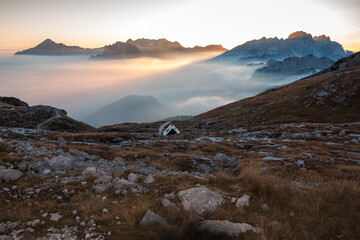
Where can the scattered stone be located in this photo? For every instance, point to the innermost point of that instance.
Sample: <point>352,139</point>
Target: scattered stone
<point>10,174</point>
<point>105,210</point>
<point>243,201</point>
<point>167,203</point>
<point>200,200</point>
<point>55,217</point>
<point>170,195</point>
<point>151,218</point>
<point>125,184</point>
<point>233,200</point>
<point>46,171</point>
<point>133,177</point>
<point>265,207</point>
<point>83,224</point>
<point>149,179</point>
<point>90,171</point>
<point>226,227</point>
<point>103,179</point>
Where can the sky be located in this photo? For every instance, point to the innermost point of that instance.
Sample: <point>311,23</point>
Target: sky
<point>95,23</point>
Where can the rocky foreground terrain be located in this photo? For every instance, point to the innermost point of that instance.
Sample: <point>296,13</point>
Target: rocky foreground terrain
<point>246,170</point>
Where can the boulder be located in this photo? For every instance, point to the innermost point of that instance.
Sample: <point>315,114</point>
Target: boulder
<point>151,218</point>
<point>226,227</point>
<point>200,200</point>
<point>10,174</point>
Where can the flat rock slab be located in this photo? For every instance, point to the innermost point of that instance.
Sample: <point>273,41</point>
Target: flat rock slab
<point>151,218</point>
<point>10,174</point>
<point>226,227</point>
<point>201,200</point>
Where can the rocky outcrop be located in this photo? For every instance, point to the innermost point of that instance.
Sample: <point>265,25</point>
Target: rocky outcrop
<point>13,101</point>
<point>49,47</point>
<point>292,66</point>
<point>298,44</point>
<point>37,117</point>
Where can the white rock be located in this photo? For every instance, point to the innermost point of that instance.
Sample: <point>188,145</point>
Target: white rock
<point>149,179</point>
<point>105,210</point>
<point>200,200</point>
<point>46,171</point>
<point>133,177</point>
<point>55,217</point>
<point>233,200</point>
<point>243,201</point>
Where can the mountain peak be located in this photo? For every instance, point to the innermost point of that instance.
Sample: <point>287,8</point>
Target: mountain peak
<point>322,38</point>
<point>299,34</point>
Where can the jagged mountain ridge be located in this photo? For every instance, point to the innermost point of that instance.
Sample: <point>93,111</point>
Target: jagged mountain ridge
<point>49,47</point>
<point>298,44</point>
<point>292,66</point>
<point>128,49</point>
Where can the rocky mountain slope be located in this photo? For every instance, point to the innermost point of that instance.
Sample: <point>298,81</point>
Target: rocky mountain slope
<point>18,114</point>
<point>292,66</point>
<point>298,44</point>
<point>328,98</point>
<point>131,108</point>
<point>49,47</point>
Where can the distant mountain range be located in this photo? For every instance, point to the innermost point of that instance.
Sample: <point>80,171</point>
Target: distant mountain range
<point>160,48</point>
<point>131,108</point>
<point>49,47</point>
<point>298,44</point>
<point>129,49</point>
<point>292,66</point>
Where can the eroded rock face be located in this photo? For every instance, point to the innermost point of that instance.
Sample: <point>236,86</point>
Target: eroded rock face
<point>151,218</point>
<point>200,200</point>
<point>226,227</point>
<point>10,174</point>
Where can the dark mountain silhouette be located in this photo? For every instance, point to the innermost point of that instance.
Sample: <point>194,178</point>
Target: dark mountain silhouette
<point>49,47</point>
